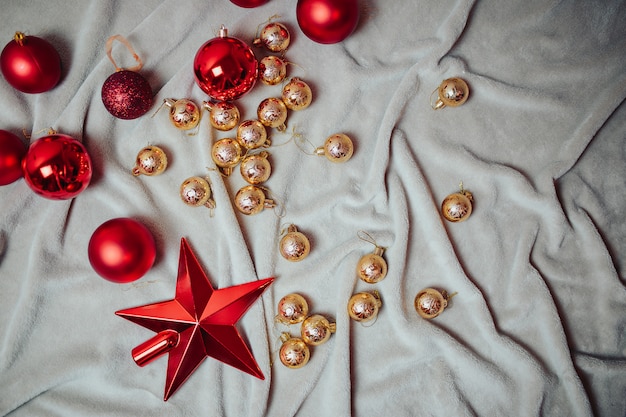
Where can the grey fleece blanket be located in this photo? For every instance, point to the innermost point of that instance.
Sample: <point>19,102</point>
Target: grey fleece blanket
<point>537,327</point>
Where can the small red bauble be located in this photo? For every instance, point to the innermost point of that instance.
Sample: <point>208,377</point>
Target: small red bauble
<point>121,250</point>
<point>249,3</point>
<point>127,95</point>
<point>30,64</point>
<point>327,21</point>
<point>225,67</point>
<point>57,167</point>
<point>12,151</point>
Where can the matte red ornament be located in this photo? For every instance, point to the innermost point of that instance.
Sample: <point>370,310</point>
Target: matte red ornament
<point>225,67</point>
<point>12,151</point>
<point>249,3</point>
<point>121,250</point>
<point>327,21</point>
<point>30,64</point>
<point>57,167</point>
<point>204,319</point>
<point>126,94</point>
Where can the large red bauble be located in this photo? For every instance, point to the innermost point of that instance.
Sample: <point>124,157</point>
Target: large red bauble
<point>30,64</point>
<point>127,94</point>
<point>12,151</point>
<point>327,21</point>
<point>121,250</point>
<point>249,3</point>
<point>225,68</point>
<point>57,167</point>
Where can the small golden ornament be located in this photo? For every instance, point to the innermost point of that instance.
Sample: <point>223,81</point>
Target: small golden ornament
<point>226,153</point>
<point>294,353</point>
<point>292,309</point>
<point>372,267</point>
<point>297,94</point>
<point>364,306</point>
<point>184,113</point>
<point>151,160</point>
<point>251,200</point>
<point>256,168</point>
<point>457,207</point>
<point>337,148</point>
<point>251,134</point>
<point>294,246</point>
<point>429,302</point>
<point>223,115</point>
<point>196,192</point>
<point>272,70</point>
<point>274,36</point>
<point>452,92</point>
<point>272,112</point>
<point>316,329</point>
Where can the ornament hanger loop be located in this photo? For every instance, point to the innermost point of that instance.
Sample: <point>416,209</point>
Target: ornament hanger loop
<point>363,235</point>
<point>124,41</point>
<point>274,202</point>
<point>436,104</point>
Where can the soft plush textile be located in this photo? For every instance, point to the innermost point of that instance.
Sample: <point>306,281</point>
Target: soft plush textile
<point>537,327</point>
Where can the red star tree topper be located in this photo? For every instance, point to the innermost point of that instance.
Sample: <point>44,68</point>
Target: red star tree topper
<point>198,322</point>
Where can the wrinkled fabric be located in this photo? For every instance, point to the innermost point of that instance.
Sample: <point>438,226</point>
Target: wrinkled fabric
<point>537,323</point>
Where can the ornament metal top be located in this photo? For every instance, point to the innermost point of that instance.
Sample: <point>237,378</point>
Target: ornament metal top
<point>225,67</point>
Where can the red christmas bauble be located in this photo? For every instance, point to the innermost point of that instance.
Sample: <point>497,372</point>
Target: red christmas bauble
<point>57,167</point>
<point>249,3</point>
<point>127,95</point>
<point>121,250</point>
<point>327,21</point>
<point>30,64</point>
<point>225,67</point>
<point>12,151</point>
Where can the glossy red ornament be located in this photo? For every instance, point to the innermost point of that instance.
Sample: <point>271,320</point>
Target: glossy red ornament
<point>204,319</point>
<point>57,167</point>
<point>12,151</point>
<point>327,21</point>
<point>30,64</point>
<point>127,95</point>
<point>225,67</point>
<point>249,3</point>
<point>121,250</point>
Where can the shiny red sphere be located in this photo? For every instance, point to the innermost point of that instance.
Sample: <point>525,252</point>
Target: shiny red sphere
<point>225,68</point>
<point>127,95</point>
<point>121,250</point>
<point>30,64</point>
<point>57,167</point>
<point>12,151</point>
<point>249,3</point>
<point>327,21</point>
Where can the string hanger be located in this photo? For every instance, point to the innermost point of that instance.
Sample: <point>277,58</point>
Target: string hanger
<point>126,43</point>
<point>366,237</point>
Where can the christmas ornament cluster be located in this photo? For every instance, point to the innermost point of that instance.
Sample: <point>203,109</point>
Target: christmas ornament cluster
<point>122,250</point>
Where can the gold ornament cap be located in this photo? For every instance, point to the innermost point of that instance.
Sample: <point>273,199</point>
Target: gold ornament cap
<point>452,92</point>
<point>150,161</point>
<point>316,329</point>
<point>292,309</point>
<point>294,353</point>
<point>294,246</point>
<point>337,148</point>
<point>364,306</point>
